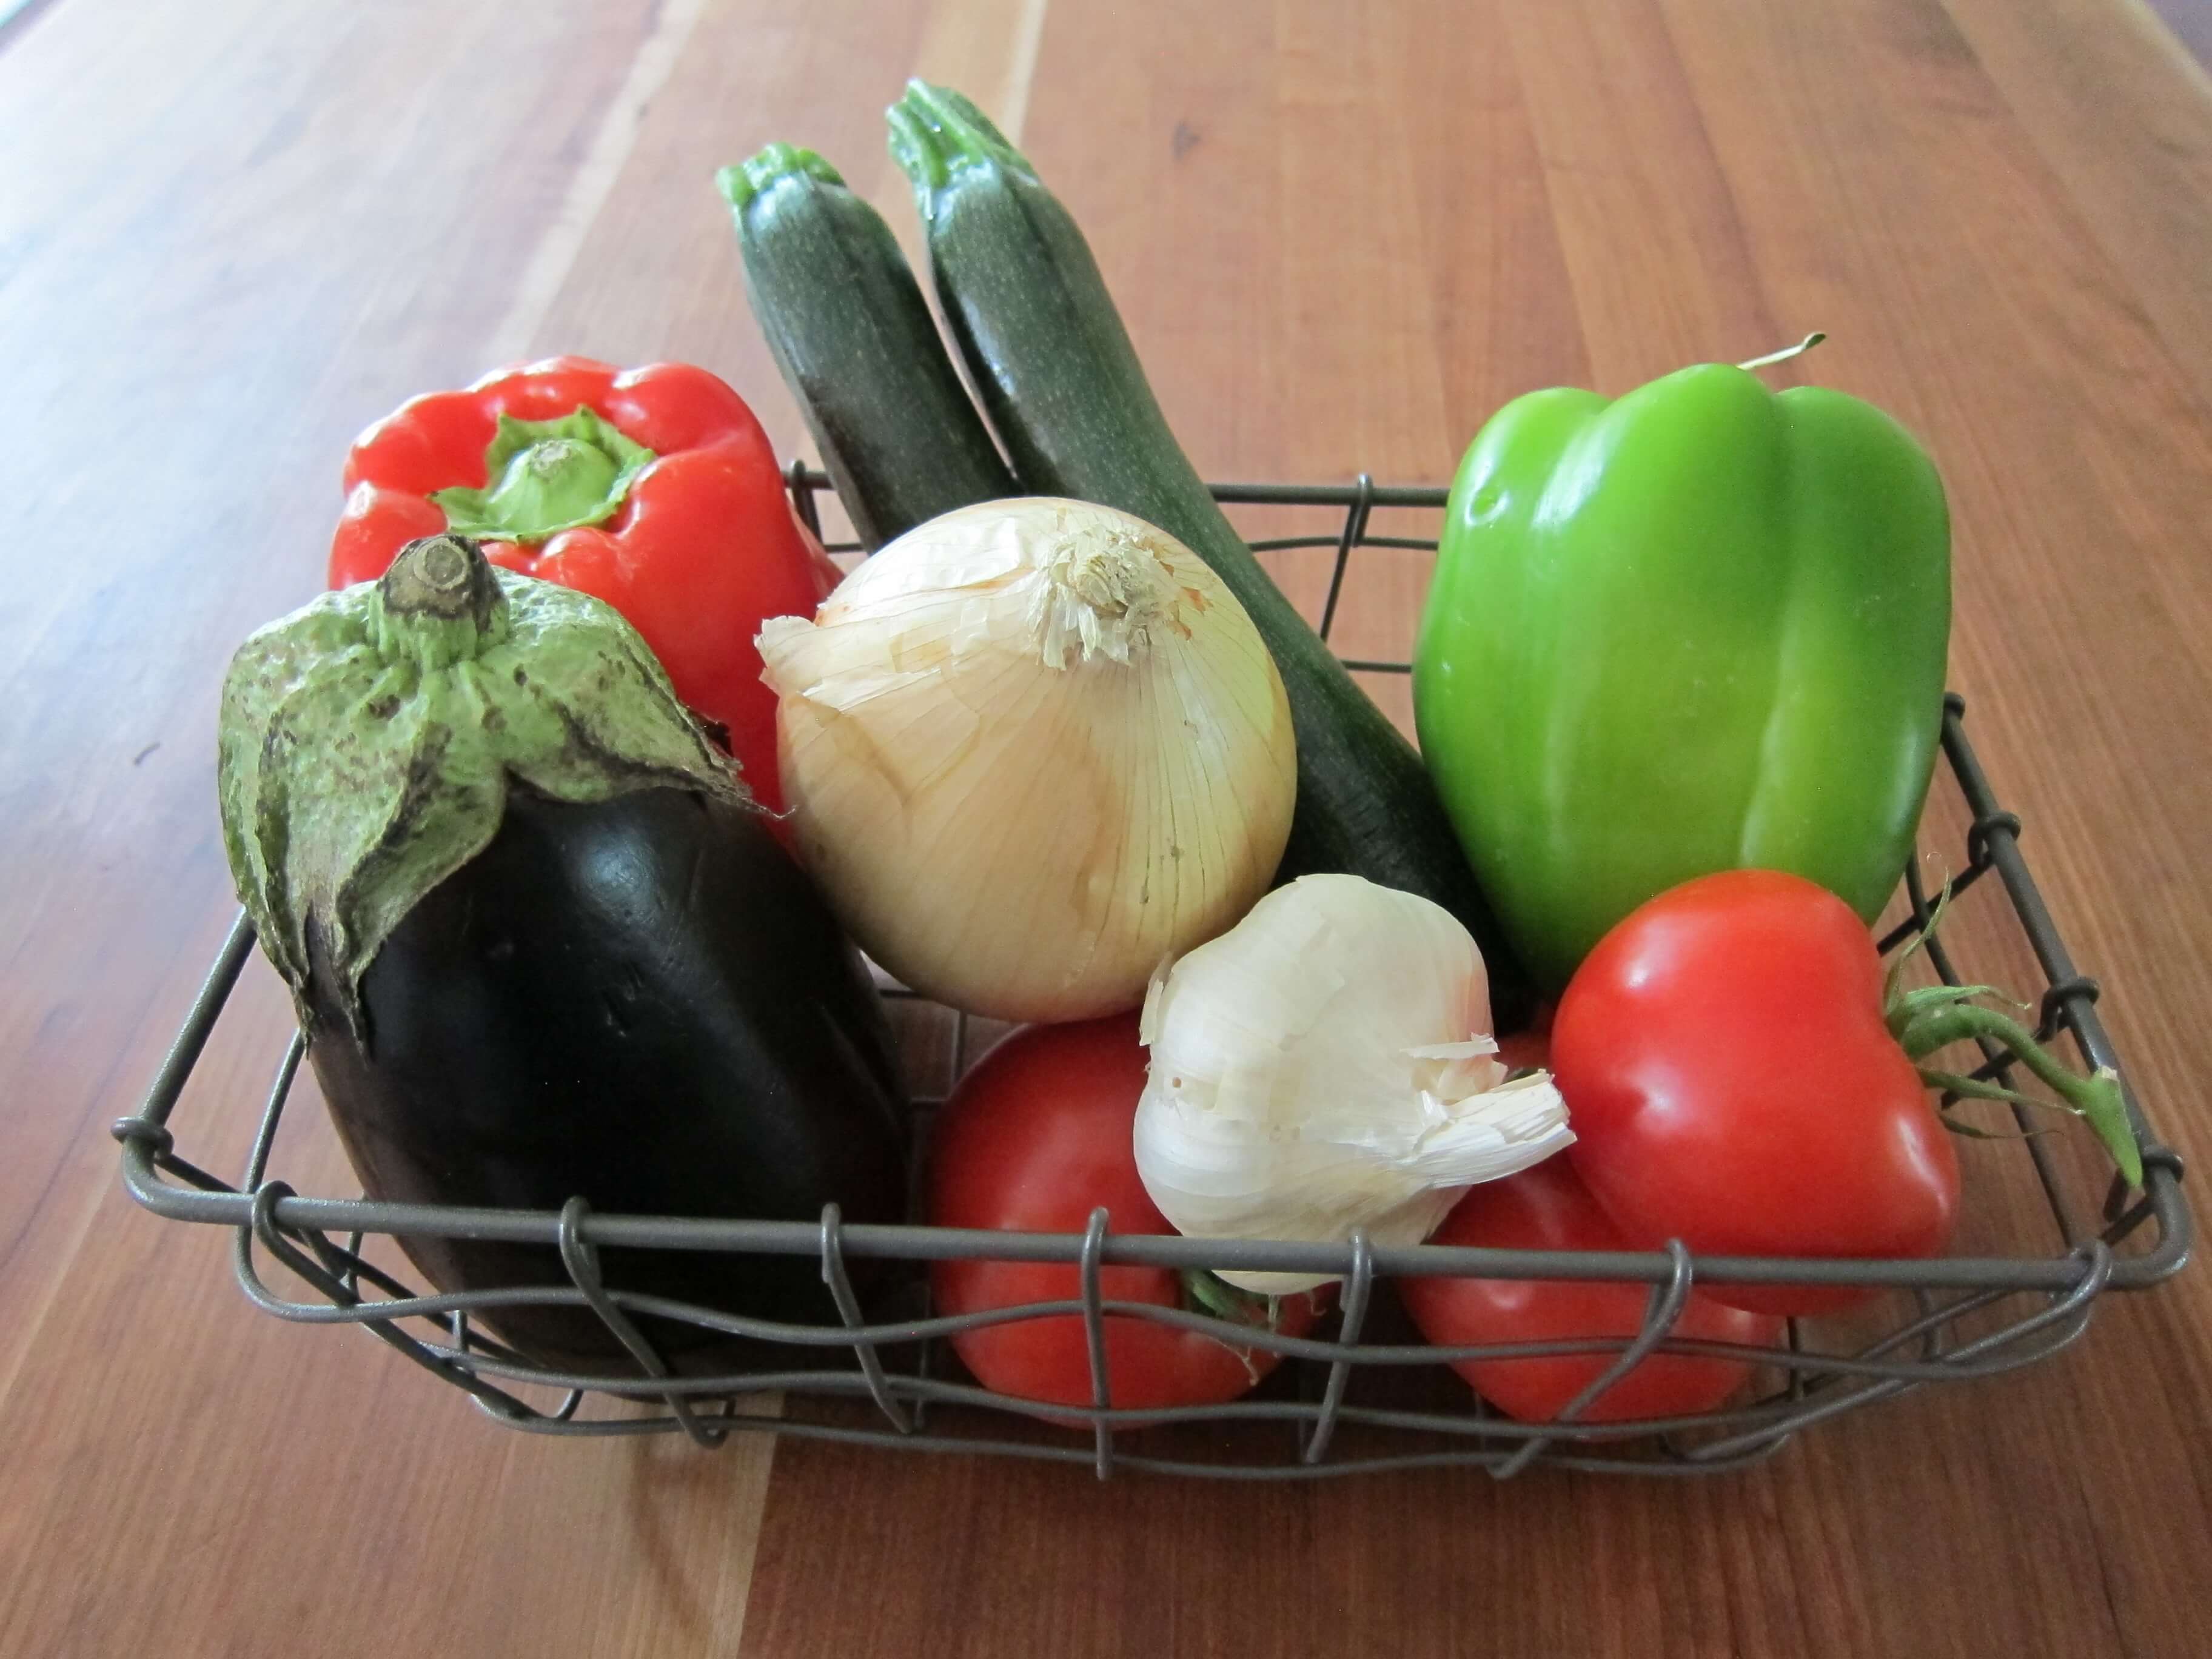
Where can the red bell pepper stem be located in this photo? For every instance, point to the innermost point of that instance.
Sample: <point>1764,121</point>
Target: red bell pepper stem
<point>549,475</point>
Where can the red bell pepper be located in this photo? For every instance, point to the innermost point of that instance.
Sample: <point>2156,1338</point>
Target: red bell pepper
<point>653,488</point>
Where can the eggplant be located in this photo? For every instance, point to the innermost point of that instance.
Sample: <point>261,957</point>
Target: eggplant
<point>644,1001</point>
<point>543,947</point>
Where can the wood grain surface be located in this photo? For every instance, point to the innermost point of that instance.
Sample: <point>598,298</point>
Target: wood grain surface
<point>232,233</point>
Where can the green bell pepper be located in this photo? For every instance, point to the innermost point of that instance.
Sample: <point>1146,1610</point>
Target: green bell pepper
<point>1699,628</point>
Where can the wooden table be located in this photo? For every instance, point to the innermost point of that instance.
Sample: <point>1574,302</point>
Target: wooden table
<point>233,233</point>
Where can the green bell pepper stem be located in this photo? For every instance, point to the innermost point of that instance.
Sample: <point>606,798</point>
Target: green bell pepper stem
<point>1786,353</point>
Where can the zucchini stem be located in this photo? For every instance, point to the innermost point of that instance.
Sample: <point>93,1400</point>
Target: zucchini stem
<point>774,164</point>
<point>935,130</point>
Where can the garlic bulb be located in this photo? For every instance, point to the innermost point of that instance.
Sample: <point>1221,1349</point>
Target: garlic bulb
<point>1032,748</point>
<point>1328,1064</point>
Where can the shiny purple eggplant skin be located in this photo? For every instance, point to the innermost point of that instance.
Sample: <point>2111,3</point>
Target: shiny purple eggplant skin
<point>644,1001</point>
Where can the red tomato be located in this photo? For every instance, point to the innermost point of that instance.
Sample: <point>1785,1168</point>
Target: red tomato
<point>1547,1208</point>
<point>1731,1082</point>
<point>1036,1137</point>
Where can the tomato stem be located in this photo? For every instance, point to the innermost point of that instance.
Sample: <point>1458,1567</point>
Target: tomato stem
<point>1211,1293</point>
<point>1938,1023</point>
<point>1907,1007</point>
<point>1975,1131</point>
<point>1893,984</point>
<point>1934,1016</point>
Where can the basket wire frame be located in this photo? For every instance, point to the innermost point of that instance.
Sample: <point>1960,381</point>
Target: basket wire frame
<point>2056,1293</point>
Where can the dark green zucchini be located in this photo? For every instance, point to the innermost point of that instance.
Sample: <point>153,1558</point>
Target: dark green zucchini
<point>1062,386</point>
<point>857,345</point>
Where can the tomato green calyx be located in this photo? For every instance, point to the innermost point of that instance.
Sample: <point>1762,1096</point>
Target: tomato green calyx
<point>547,476</point>
<point>1211,1293</point>
<point>2095,1099</point>
<point>1207,1293</point>
<point>1933,1017</point>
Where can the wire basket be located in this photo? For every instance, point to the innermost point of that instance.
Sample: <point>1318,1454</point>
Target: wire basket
<point>1355,1395</point>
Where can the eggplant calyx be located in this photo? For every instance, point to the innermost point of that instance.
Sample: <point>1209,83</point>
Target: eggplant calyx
<point>367,743</point>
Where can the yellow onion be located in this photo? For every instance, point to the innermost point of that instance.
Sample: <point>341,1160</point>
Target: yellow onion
<point>1033,748</point>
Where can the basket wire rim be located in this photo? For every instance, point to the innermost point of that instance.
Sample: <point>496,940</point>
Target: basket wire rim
<point>267,1215</point>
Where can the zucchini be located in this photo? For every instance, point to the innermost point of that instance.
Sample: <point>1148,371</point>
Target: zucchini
<point>1062,386</point>
<point>849,329</point>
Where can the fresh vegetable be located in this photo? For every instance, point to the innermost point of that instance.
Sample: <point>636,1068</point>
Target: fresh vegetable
<point>1033,1139</point>
<point>651,489</point>
<point>1699,628</point>
<point>1548,1208</point>
<point>1065,391</point>
<point>1033,747</point>
<point>541,945</point>
<point>1328,1064</point>
<point>1739,1081</point>
<point>848,327</point>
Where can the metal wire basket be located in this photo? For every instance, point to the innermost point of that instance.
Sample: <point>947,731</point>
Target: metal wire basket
<point>884,1383</point>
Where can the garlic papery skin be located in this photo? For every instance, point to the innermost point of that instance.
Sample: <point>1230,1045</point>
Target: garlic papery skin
<point>1324,1065</point>
<point>1033,748</point>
